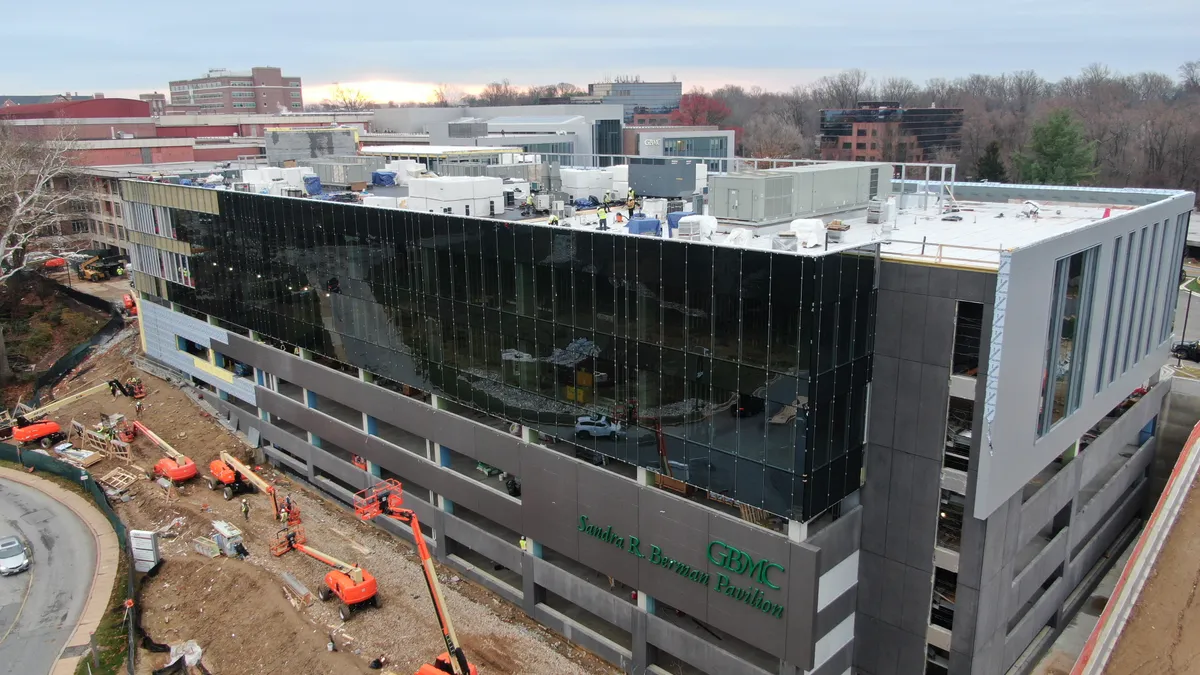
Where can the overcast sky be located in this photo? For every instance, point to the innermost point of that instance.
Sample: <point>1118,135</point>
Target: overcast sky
<point>396,50</point>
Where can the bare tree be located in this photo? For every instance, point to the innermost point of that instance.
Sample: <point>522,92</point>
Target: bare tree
<point>843,90</point>
<point>769,135</point>
<point>446,95</point>
<point>899,89</point>
<point>38,186</point>
<point>348,99</point>
<point>1189,73</point>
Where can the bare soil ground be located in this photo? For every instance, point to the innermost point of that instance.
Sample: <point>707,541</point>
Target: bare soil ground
<point>236,610</point>
<point>1162,634</point>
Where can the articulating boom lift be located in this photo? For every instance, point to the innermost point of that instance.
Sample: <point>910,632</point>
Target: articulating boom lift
<point>353,586</point>
<point>233,477</point>
<point>386,498</point>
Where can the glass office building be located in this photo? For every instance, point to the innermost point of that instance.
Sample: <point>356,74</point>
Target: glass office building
<point>754,364</point>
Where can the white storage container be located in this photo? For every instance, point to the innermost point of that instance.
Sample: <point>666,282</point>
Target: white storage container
<point>252,176</point>
<point>380,202</point>
<point>273,173</point>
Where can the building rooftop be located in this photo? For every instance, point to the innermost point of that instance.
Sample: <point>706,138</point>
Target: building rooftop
<point>436,150</point>
<point>162,169</point>
<point>535,119</point>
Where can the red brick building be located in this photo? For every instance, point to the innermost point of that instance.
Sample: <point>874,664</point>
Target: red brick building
<point>261,90</point>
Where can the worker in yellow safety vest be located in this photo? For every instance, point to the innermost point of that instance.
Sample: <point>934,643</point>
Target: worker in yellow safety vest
<point>602,214</point>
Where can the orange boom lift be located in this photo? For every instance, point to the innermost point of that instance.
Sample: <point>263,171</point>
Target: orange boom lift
<point>353,586</point>
<point>386,499</point>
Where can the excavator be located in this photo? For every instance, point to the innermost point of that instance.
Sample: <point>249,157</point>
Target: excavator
<point>354,587</point>
<point>386,498</point>
<point>233,477</point>
<point>176,466</point>
<point>27,426</point>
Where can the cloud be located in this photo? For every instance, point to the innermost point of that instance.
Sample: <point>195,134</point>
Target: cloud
<point>141,45</point>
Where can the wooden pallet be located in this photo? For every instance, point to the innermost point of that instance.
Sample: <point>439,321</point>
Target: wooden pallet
<point>118,479</point>
<point>76,433</point>
<point>95,441</point>
<point>119,450</point>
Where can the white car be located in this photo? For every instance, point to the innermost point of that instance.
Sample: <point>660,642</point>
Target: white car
<point>14,556</point>
<point>598,426</point>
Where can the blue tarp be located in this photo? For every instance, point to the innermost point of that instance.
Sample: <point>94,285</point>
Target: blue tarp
<point>673,219</point>
<point>645,226</point>
<point>383,178</point>
<point>312,184</point>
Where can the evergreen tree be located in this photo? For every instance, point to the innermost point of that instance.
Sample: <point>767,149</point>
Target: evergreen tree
<point>990,167</point>
<point>1058,153</point>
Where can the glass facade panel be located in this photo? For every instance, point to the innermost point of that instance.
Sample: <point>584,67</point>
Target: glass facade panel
<point>1066,344</point>
<point>754,365</point>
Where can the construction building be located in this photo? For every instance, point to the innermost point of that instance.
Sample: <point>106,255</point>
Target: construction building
<point>905,443</point>
<point>259,90</point>
<point>886,131</point>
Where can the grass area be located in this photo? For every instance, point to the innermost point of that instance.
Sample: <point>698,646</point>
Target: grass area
<point>1193,285</point>
<point>110,634</point>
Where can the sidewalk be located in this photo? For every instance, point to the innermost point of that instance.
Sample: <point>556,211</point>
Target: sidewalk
<point>108,551</point>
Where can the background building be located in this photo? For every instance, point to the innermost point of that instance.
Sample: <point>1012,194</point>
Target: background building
<point>6,101</point>
<point>544,129</point>
<point>658,98</point>
<point>885,131</point>
<point>157,101</point>
<point>262,90</point>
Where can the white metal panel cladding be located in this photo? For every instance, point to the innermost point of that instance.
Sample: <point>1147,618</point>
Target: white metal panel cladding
<point>1014,454</point>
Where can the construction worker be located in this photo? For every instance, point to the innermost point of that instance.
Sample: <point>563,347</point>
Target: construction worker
<point>524,545</point>
<point>112,389</point>
<point>607,196</point>
<point>246,509</point>
<point>632,195</point>
<point>529,203</point>
<point>137,408</point>
<point>120,270</point>
<point>283,516</point>
<point>630,206</point>
<point>553,220</point>
<point>602,214</point>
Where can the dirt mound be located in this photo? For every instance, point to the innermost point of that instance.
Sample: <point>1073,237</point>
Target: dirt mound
<point>222,605</point>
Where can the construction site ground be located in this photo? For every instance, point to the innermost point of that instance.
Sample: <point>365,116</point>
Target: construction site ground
<point>1162,634</point>
<point>237,611</point>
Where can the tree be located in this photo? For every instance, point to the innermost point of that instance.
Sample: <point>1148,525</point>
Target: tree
<point>446,96</point>
<point>990,167</point>
<point>1058,153</point>
<point>769,135</point>
<point>348,99</point>
<point>1189,73</point>
<point>700,109</point>
<point>38,185</point>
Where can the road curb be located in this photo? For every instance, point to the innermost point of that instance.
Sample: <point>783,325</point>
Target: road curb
<point>108,554</point>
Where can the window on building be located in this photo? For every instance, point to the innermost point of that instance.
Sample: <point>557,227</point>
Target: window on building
<point>874,133</point>
<point>242,94</point>
<point>293,84</point>
<point>78,226</point>
<point>873,146</point>
<point>860,158</point>
<point>297,105</point>
<point>860,146</point>
<point>295,94</point>
<point>847,146</point>
<point>862,132</point>
<point>1066,341</point>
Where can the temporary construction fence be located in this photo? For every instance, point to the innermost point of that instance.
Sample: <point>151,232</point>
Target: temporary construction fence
<point>40,462</point>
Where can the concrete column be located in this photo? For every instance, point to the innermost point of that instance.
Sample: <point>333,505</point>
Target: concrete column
<point>260,378</point>
<point>439,536</point>
<point>310,399</point>
<point>645,476</point>
<point>643,653</point>
<point>797,530</point>
<point>255,336</point>
<point>365,376</point>
<point>212,320</point>
<point>786,668</point>
<point>533,594</point>
<point>304,354</point>
<point>443,459</point>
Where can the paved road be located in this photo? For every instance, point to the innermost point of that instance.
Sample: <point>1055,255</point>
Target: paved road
<point>39,608</point>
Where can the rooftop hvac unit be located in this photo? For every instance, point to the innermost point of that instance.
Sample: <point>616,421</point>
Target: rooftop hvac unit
<point>875,212</point>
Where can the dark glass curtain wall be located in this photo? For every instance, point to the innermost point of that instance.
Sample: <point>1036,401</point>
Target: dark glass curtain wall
<point>755,364</point>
